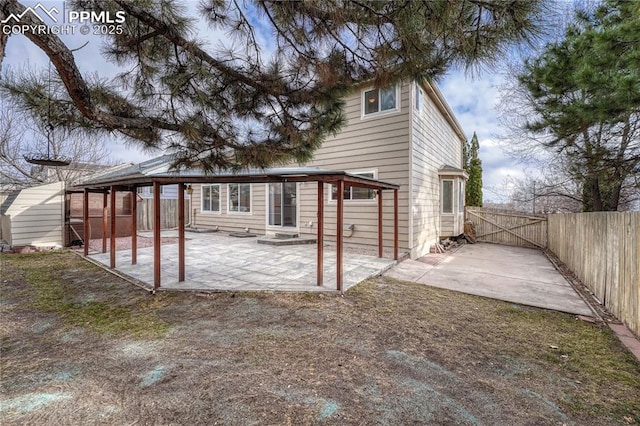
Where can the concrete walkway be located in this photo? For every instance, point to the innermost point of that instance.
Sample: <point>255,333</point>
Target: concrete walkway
<point>512,274</point>
<point>218,262</point>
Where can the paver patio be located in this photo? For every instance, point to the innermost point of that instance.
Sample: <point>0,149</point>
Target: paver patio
<point>218,262</point>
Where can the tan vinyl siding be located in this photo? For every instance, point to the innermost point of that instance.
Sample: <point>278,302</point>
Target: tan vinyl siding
<point>435,143</point>
<point>231,221</point>
<point>377,143</point>
<point>382,144</point>
<point>36,216</point>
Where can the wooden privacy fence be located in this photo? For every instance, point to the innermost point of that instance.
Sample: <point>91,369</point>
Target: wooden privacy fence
<point>603,250</point>
<point>168,214</point>
<point>510,228</point>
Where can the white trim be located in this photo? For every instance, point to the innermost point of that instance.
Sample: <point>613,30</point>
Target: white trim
<point>395,110</point>
<point>250,212</point>
<point>276,228</point>
<point>350,201</point>
<point>202,210</point>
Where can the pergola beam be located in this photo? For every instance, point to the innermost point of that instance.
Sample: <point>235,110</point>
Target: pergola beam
<point>380,237</point>
<point>181,249</point>
<point>320,236</point>
<point>112,239</point>
<point>156,235</point>
<point>105,220</point>
<point>85,221</point>
<point>134,225</point>
<point>395,224</point>
<point>339,241</point>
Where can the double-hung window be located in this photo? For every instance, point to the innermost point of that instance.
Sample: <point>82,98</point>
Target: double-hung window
<point>239,197</point>
<point>380,100</point>
<point>211,198</point>
<point>355,193</point>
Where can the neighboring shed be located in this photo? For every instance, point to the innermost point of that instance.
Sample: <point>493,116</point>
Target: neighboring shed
<point>34,216</point>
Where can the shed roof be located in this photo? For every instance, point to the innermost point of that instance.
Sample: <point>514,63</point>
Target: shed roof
<point>160,170</point>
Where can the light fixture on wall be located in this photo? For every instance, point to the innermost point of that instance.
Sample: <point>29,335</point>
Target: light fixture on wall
<point>189,189</point>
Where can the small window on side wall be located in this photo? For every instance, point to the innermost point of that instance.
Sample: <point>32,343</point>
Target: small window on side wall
<point>419,96</point>
<point>447,196</point>
<point>460,196</point>
<point>379,100</point>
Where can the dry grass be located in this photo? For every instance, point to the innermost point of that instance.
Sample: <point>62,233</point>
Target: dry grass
<point>81,346</point>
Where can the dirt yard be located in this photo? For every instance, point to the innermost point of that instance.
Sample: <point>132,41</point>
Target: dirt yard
<point>80,346</point>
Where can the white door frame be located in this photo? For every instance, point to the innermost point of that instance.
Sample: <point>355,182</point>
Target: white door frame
<point>272,229</point>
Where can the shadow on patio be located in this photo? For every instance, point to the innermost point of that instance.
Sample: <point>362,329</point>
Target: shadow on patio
<point>218,262</point>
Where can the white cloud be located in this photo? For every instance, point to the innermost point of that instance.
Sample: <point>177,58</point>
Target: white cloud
<point>474,102</point>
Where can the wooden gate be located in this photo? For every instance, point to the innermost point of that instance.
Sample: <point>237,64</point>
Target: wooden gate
<point>510,228</point>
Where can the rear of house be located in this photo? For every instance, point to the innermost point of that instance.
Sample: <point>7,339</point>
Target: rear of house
<point>405,134</point>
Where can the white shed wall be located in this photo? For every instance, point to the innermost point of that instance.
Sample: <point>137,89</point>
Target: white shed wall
<point>36,216</point>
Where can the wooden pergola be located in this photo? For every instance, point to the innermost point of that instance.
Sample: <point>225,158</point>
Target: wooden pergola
<point>158,174</point>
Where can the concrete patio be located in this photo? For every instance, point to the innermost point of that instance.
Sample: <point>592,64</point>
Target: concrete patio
<point>218,262</point>
<point>513,274</point>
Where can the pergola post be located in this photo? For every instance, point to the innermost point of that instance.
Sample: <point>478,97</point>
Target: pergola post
<point>156,235</point>
<point>395,224</point>
<point>339,225</point>
<point>105,221</point>
<point>320,237</point>
<point>85,221</point>
<point>380,242</point>
<point>112,240</point>
<point>134,225</point>
<point>181,251</point>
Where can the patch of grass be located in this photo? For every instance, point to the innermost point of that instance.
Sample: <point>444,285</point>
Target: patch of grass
<point>52,289</point>
<point>388,352</point>
<point>586,356</point>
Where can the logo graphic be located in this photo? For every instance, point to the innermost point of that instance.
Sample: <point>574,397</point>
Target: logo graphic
<point>102,22</point>
<point>32,10</point>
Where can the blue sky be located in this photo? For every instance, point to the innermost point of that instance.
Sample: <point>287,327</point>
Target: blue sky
<point>473,100</point>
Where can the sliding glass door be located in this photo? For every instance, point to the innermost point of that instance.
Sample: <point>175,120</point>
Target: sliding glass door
<point>283,200</point>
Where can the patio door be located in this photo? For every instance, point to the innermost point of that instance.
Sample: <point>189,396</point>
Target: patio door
<point>282,203</point>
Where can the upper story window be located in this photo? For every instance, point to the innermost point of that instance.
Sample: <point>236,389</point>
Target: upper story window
<point>239,197</point>
<point>355,193</point>
<point>380,100</point>
<point>211,198</point>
